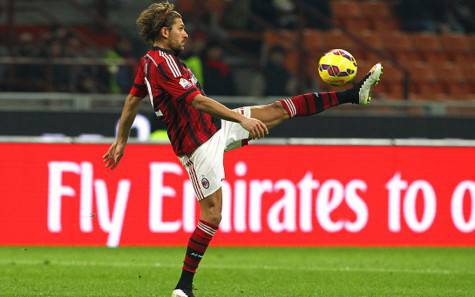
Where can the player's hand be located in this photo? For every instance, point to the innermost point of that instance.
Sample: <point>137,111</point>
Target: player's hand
<point>113,155</point>
<point>256,128</point>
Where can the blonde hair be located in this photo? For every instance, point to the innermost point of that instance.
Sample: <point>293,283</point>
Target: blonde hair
<point>154,18</point>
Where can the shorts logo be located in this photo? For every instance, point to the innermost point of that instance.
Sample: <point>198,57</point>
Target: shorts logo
<point>205,182</point>
<point>185,83</point>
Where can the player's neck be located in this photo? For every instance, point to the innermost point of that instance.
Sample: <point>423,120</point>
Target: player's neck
<point>163,46</point>
<point>160,44</point>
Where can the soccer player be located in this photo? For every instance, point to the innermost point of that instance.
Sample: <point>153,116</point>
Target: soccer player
<point>198,141</point>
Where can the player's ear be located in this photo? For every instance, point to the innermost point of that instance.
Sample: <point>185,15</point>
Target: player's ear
<point>164,32</point>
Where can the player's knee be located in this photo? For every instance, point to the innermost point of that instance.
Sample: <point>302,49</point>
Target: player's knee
<point>211,214</point>
<point>213,217</point>
<point>216,219</point>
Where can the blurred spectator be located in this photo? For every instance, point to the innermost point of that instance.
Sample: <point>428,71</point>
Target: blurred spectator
<point>3,69</point>
<point>214,16</point>
<point>29,77</point>
<point>416,15</point>
<point>217,74</point>
<point>206,16</point>
<point>278,80</point>
<point>238,15</point>
<point>73,49</point>
<point>463,13</point>
<point>58,73</point>
<point>288,14</point>
<point>278,13</point>
<point>125,73</point>
<point>313,21</point>
<point>192,55</point>
<point>430,15</point>
<point>445,17</point>
<point>94,79</point>
<point>119,60</point>
<point>287,17</point>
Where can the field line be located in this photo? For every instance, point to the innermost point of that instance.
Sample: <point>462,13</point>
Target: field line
<point>239,267</point>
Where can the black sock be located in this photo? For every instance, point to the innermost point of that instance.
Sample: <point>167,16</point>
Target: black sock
<point>186,280</point>
<point>349,96</point>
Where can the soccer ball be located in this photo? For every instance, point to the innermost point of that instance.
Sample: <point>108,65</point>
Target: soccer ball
<point>337,67</point>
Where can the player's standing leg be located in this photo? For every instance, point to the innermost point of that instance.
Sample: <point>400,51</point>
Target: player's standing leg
<point>210,217</point>
<point>312,103</point>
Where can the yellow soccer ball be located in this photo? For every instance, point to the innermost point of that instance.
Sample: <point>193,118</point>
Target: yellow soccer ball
<point>337,67</point>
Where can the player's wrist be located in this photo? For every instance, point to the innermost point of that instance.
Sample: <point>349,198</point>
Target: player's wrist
<point>121,141</point>
<point>241,119</point>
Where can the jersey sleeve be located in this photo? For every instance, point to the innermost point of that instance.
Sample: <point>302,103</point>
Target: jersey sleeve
<point>173,82</point>
<point>139,89</point>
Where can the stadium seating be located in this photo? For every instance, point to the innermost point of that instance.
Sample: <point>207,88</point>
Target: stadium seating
<point>428,47</point>
<point>458,48</point>
<point>440,65</point>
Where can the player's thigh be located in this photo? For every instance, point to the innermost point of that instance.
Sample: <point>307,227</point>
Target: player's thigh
<point>205,166</point>
<point>234,135</point>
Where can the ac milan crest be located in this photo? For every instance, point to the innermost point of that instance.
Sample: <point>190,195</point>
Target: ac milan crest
<point>205,182</point>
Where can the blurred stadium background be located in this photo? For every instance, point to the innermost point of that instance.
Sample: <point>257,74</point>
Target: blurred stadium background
<point>75,56</point>
<point>66,66</point>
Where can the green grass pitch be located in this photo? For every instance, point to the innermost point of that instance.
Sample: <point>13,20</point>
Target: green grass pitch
<point>287,272</point>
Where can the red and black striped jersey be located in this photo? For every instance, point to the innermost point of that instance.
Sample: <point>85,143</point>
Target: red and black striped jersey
<point>172,87</point>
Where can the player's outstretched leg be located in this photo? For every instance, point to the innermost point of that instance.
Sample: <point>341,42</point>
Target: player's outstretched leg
<point>312,103</point>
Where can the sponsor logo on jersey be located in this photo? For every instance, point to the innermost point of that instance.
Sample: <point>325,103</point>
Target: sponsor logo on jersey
<point>186,84</point>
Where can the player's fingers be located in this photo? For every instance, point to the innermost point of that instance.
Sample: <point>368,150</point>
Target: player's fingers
<point>116,160</point>
<point>106,156</point>
<point>251,134</point>
<point>117,157</point>
<point>112,163</point>
<point>260,131</point>
<point>257,132</point>
<point>109,153</point>
<point>109,163</point>
<point>266,130</point>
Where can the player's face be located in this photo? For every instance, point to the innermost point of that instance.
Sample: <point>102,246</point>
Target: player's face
<point>178,35</point>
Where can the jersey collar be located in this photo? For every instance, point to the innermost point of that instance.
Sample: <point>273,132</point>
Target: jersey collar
<point>168,51</point>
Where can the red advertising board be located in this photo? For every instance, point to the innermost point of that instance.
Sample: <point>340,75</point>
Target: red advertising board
<point>61,194</point>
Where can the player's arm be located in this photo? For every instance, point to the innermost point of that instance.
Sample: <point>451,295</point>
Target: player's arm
<point>116,150</point>
<point>256,128</point>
